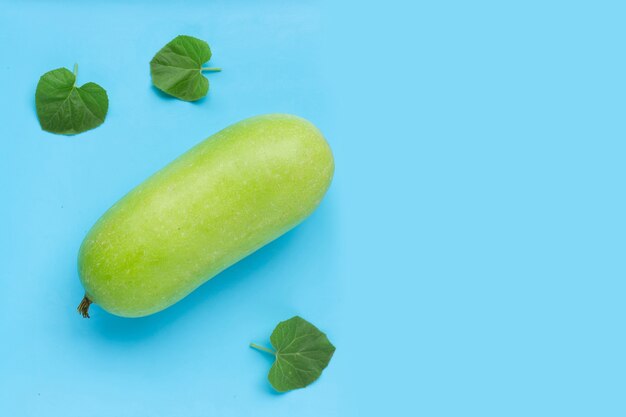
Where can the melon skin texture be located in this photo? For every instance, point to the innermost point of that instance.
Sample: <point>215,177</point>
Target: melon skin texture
<point>222,200</point>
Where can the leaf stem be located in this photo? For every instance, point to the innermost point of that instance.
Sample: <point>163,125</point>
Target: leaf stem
<point>75,74</point>
<point>211,69</point>
<point>262,348</point>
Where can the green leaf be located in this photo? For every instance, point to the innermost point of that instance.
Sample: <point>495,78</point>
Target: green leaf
<point>302,352</point>
<point>66,109</point>
<point>177,68</point>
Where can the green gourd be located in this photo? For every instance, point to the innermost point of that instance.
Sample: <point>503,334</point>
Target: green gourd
<point>225,198</point>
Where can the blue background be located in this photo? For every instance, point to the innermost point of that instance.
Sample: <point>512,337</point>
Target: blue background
<point>467,261</point>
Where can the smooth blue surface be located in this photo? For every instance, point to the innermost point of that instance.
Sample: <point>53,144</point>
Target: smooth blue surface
<point>467,261</point>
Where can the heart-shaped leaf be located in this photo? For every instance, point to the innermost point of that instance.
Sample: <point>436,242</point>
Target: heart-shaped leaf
<point>302,352</point>
<point>177,68</point>
<point>66,109</point>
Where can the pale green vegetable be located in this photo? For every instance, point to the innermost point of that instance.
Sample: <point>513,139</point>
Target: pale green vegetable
<point>222,200</point>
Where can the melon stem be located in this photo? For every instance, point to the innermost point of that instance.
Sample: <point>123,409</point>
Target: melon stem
<point>83,307</point>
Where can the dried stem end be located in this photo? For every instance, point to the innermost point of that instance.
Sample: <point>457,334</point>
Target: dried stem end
<point>83,307</point>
